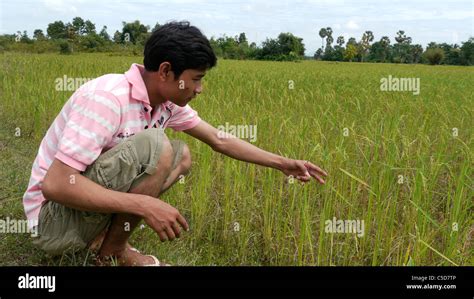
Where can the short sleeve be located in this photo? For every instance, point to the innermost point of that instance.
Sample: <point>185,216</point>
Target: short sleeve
<point>183,118</point>
<point>91,120</point>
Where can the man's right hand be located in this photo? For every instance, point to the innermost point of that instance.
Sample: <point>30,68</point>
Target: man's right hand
<point>86,195</point>
<point>164,219</point>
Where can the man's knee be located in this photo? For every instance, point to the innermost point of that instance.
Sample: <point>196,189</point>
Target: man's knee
<point>155,150</point>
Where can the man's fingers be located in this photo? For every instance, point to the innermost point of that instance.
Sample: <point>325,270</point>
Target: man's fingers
<point>303,168</point>
<point>320,179</point>
<point>317,177</point>
<point>176,229</point>
<point>170,233</point>
<point>162,235</point>
<point>315,168</point>
<point>304,178</point>
<point>183,222</point>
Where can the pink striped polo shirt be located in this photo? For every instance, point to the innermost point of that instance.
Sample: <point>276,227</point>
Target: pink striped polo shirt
<point>98,116</point>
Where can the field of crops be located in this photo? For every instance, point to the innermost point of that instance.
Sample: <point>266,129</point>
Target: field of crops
<point>399,163</point>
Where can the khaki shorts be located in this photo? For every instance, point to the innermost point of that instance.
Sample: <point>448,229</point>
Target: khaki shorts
<point>121,168</point>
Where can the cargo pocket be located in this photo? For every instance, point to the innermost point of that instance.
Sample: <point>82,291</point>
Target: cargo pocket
<point>119,170</point>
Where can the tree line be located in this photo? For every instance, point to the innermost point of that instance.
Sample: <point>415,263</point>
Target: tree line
<point>402,50</point>
<point>81,35</point>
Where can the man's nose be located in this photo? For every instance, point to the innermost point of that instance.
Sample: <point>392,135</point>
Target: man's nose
<point>198,89</point>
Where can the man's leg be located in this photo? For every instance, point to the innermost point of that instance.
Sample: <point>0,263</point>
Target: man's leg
<point>181,169</point>
<point>115,241</point>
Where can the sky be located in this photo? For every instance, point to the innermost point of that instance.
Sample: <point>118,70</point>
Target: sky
<point>423,20</point>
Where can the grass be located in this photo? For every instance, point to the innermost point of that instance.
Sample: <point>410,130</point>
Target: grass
<point>243,214</point>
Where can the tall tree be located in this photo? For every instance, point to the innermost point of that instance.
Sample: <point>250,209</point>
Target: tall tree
<point>467,52</point>
<point>350,53</point>
<point>329,38</point>
<point>329,51</point>
<point>56,30</point>
<point>367,38</point>
<point>322,33</point>
<point>338,54</point>
<point>79,26</point>
<point>24,37</point>
<point>38,34</point>
<point>117,37</point>
<point>89,27</point>
<point>103,33</point>
<point>401,36</point>
<point>291,44</point>
<point>385,43</point>
<point>285,47</point>
<point>416,52</point>
<point>402,48</point>
<point>242,39</point>
<point>340,41</point>
<point>134,31</point>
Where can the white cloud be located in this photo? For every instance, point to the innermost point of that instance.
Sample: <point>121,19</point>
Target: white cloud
<point>62,6</point>
<point>352,25</point>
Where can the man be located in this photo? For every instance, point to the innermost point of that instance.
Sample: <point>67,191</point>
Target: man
<point>105,160</point>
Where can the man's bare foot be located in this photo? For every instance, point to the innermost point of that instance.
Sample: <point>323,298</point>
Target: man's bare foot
<point>127,256</point>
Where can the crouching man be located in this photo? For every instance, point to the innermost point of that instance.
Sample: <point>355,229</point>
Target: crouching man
<point>105,160</point>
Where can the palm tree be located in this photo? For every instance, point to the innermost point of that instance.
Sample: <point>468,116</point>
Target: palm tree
<point>367,37</point>
<point>385,42</point>
<point>417,50</point>
<point>322,33</point>
<point>340,41</point>
<point>329,39</point>
<point>402,42</point>
<point>401,36</point>
<point>329,31</point>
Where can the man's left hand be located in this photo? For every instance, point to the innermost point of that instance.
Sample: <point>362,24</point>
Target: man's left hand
<point>303,170</point>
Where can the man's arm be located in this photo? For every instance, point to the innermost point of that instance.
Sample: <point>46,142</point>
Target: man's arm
<point>244,151</point>
<point>65,185</point>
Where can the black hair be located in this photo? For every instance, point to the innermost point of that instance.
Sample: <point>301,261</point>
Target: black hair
<point>182,45</point>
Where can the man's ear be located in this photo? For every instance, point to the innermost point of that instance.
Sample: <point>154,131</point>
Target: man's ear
<point>164,71</point>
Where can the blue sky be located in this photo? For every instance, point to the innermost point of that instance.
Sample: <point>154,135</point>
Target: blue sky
<point>423,20</point>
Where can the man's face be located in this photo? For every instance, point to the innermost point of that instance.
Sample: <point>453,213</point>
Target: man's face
<point>187,87</point>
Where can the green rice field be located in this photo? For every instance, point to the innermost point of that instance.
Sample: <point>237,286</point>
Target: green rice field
<point>399,162</point>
